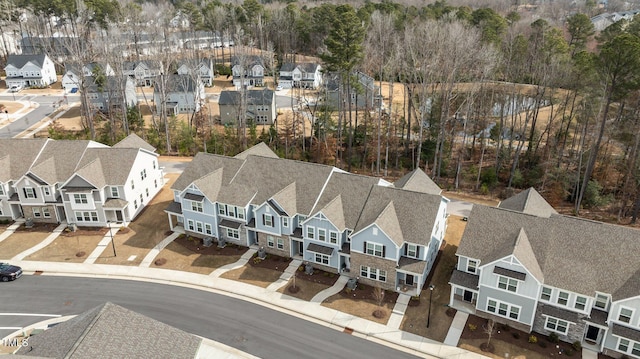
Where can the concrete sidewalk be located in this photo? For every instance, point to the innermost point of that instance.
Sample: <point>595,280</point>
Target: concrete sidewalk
<point>456,328</point>
<point>108,238</point>
<point>334,289</point>
<point>153,253</point>
<point>291,270</point>
<point>407,342</point>
<point>235,265</point>
<point>11,229</point>
<point>50,238</point>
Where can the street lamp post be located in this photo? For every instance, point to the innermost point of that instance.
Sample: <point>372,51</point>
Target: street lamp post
<point>113,244</point>
<point>431,287</point>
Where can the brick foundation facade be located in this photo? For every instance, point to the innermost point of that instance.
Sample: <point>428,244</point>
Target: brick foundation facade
<point>284,252</point>
<point>513,324</point>
<point>575,331</point>
<point>359,259</point>
<point>28,213</point>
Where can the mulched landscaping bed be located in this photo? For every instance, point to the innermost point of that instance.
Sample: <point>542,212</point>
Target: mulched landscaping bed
<point>318,276</point>
<point>86,231</point>
<point>365,292</point>
<point>543,345</point>
<point>194,244</point>
<point>270,262</point>
<point>38,227</point>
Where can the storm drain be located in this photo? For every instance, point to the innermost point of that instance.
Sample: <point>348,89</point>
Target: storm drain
<point>347,330</point>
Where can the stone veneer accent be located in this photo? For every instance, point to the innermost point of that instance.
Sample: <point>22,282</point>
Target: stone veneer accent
<point>575,332</point>
<point>28,213</point>
<point>513,324</point>
<point>359,259</point>
<point>262,242</point>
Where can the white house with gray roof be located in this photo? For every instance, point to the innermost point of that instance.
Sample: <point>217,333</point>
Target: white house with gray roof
<point>386,234</point>
<point>524,264</point>
<point>181,94</point>
<point>30,71</point>
<point>82,182</point>
<point>304,75</point>
<point>260,106</point>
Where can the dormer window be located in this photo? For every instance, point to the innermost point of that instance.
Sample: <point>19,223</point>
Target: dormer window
<point>412,250</point>
<point>80,198</point>
<point>472,266</point>
<point>46,191</point>
<point>285,222</point>
<point>602,302</point>
<point>2,190</point>
<point>29,192</point>
<point>625,315</point>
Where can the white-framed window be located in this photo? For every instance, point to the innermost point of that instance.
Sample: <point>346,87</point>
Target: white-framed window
<point>222,209</point>
<point>191,225</point>
<point>199,227</point>
<point>503,309</point>
<point>114,192</point>
<point>146,190</point>
<point>635,350</point>
<point>240,213</point>
<point>154,165</point>
<point>601,302</point>
<point>373,273</point>
<point>45,212</point>
<point>267,220</point>
<point>375,249</point>
<point>135,204</point>
<point>507,283</point>
<point>285,222</point>
<point>322,234</point>
<point>29,192</point>
<point>80,198</point>
<point>625,315</point>
<point>280,243</point>
<point>321,258</point>
<point>143,174</point>
<point>270,241</point>
<point>472,266</point>
<point>155,183</point>
<point>233,233</point>
<point>412,250</point>
<point>557,325</point>
<point>311,232</point>
<point>133,185</point>
<point>546,294</point>
<point>207,228</point>
<point>36,213</point>
<point>1,190</point>
<point>581,302</point>
<point>86,216</point>
<point>46,191</point>
<point>563,298</point>
<point>623,345</point>
<point>333,237</point>
<point>196,206</point>
<point>141,199</point>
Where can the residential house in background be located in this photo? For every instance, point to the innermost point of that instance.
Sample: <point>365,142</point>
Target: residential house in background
<point>523,264</point>
<point>81,182</point>
<point>198,69</point>
<point>182,94</point>
<point>247,70</point>
<point>304,75</point>
<point>144,72</point>
<point>382,233</point>
<point>74,73</point>
<point>261,106</point>
<point>58,48</point>
<point>110,93</point>
<point>30,71</point>
<point>364,96</point>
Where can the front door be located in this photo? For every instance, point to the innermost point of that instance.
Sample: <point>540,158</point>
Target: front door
<point>119,216</point>
<point>468,296</point>
<point>592,333</point>
<point>408,279</point>
<point>301,248</point>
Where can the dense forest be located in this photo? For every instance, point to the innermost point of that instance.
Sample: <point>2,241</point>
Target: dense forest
<point>485,99</point>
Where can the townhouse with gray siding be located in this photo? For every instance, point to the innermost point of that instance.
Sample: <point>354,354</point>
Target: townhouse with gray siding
<point>382,233</point>
<point>524,264</point>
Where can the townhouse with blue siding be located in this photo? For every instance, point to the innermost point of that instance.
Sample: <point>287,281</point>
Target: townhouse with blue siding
<point>385,234</point>
<point>524,264</point>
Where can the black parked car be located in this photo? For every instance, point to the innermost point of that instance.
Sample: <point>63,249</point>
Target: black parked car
<point>9,272</point>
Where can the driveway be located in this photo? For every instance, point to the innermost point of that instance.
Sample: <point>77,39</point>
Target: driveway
<point>459,208</point>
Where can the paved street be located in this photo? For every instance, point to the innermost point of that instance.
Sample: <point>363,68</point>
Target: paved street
<point>44,108</point>
<point>251,328</point>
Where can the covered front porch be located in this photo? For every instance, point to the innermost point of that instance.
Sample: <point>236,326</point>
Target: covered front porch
<point>174,212</point>
<point>115,210</point>
<point>410,276</point>
<point>464,291</point>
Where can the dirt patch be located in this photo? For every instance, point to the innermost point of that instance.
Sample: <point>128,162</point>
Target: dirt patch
<point>272,262</point>
<point>38,227</point>
<point>473,198</point>
<point>18,242</point>
<point>85,231</point>
<point>360,302</point>
<point>64,249</point>
<point>252,274</point>
<point>147,230</point>
<point>512,341</point>
<point>416,315</point>
<point>307,286</point>
<point>188,254</point>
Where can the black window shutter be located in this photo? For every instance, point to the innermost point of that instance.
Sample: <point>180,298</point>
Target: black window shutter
<point>365,247</point>
<point>405,249</point>
<point>264,221</point>
<point>35,195</point>
<point>384,251</point>
<point>418,251</point>
<point>25,192</point>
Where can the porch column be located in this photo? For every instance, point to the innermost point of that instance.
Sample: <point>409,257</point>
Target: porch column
<point>170,221</point>
<point>451,294</point>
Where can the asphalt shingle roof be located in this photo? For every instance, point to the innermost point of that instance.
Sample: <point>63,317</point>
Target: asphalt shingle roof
<point>528,201</point>
<point>20,60</point>
<point>418,181</point>
<point>565,252</point>
<point>134,141</point>
<point>254,97</point>
<point>102,332</point>
<point>17,155</point>
<point>205,163</point>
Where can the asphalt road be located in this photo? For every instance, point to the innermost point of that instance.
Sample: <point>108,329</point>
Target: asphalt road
<point>459,208</point>
<point>44,109</point>
<point>249,327</point>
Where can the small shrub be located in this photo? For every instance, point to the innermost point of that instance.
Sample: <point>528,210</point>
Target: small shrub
<point>256,260</point>
<point>472,327</point>
<point>533,339</point>
<point>542,344</point>
<point>516,335</point>
<point>326,274</point>
<point>347,290</point>
<point>160,261</point>
<point>80,254</point>
<point>301,269</point>
<point>569,352</point>
<point>577,346</point>
<point>553,338</point>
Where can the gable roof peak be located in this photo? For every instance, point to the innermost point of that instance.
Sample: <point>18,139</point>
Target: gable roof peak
<point>529,201</point>
<point>418,181</point>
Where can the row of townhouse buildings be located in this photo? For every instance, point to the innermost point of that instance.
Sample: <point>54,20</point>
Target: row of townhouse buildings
<point>524,264</point>
<point>385,234</point>
<point>81,182</point>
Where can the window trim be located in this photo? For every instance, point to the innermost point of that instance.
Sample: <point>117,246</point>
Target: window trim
<point>280,243</point>
<point>557,323</point>
<point>233,233</point>
<point>191,225</point>
<point>270,241</point>
<point>563,299</point>
<point>508,284</point>
<point>415,250</point>
<point>509,310</point>
<point>475,266</point>
<point>30,193</point>
<point>630,316</point>
<point>285,222</point>
<point>322,234</point>
<point>373,273</point>
<point>583,304</point>
<point>374,249</point>
<point>542,293</point>
<point>196,206</point>
<point>311,232</point>
<point>606,301</point>
<point>80,198</point>
<point>333,234</point>
<point>208,228</point>
<point>268,217</point>
<point>321,258</point>
<point>36,212</point>
<point>115,193</point>
<point>46,213</point>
